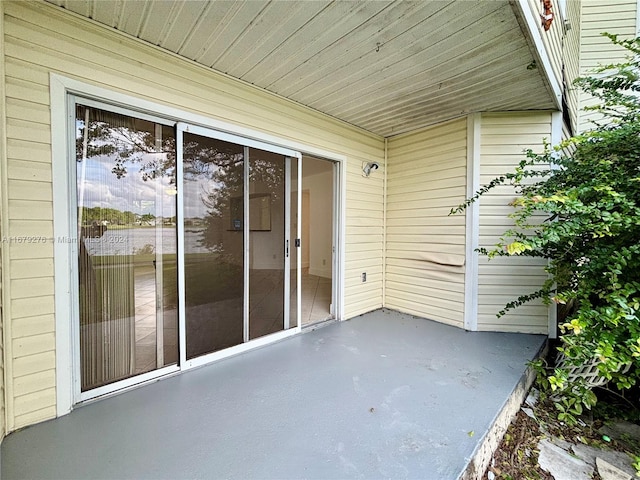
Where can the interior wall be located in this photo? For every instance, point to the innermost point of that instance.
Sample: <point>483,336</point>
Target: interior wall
<point>267,249</point>
<point>305,229</point>
<point>320,187</point>
<point>425,257</point>
<point>42,39</point>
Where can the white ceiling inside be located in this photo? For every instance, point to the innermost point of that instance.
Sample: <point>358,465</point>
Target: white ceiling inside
<point>385,66</point>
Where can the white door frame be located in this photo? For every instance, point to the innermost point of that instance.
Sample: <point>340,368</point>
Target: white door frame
<point>62,144</point>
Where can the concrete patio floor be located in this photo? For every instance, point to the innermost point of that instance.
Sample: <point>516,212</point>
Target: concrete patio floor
<point>384,395</point>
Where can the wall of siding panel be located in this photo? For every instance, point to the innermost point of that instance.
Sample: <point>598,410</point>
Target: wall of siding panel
<point>618,17</point>
<point>504,137</point>
<point>40,39</point>
<point>3,252</point>
<point>426,247</point>
<point>571,51</point>
<point>552,38</point>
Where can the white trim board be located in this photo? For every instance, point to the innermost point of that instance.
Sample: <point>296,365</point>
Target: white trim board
<point>472,223</point>
<point>556,138</point>
<point>532,23</point>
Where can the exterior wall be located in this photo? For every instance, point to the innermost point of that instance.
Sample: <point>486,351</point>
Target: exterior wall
<point>553,38</point>
<point>503,139</point>
<point>617,17</point>
<point>3,203</point>
<point>41,39</point>
<point>425,254</point>
<point>571,49</point>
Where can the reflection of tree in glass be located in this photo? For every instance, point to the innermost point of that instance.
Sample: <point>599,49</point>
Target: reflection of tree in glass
<point>126,140</point>
<point>97,215</point>
<point>222,165</point>
<point>218,168</point>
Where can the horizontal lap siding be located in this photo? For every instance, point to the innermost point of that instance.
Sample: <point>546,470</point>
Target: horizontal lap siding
<point>363,239</point>
<point>571,50</point>
<point>504,137</point>
<point>3,253</point>
<point>552,39</point>
<point>425,246</point>
<point>615,16</point>
<point>30,205</point>
<point>40,39</point>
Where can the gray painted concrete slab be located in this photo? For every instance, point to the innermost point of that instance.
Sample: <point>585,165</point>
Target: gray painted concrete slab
<point>384,395</point>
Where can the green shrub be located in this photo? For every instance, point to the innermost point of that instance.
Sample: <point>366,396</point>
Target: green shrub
<point>587,190</point>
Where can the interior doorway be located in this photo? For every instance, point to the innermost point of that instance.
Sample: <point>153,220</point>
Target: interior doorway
<point>319,178</point>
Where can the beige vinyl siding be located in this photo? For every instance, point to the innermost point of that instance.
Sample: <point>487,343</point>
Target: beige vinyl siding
<point>571,49</point>
<point>426,247</point>
<point>552,39</point>
<point>364,238</point>
<point>3,246</point>
<point>504,137</point>
<point>41,39</point>
<point>613,16</point>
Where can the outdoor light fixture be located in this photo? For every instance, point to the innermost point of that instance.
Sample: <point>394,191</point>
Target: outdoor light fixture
<point>367,167</point>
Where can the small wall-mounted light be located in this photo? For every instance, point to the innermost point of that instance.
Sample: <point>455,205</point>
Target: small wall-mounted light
<point>367,167</point>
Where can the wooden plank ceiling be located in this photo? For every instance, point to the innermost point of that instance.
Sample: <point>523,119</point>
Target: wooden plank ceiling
<point>386,66</point>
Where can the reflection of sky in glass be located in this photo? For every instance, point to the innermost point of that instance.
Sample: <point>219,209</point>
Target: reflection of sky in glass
<point>194,204</point>
<point>129,193</point>
<point>102,188</point>
<point>99,186</point>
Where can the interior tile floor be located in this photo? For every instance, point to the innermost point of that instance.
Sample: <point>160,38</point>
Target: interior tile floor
<point>316,299</point>
<point>383,395</point>
<point>316,302</point>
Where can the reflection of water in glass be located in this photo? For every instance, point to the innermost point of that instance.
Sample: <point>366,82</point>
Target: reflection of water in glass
<point>128,241</point>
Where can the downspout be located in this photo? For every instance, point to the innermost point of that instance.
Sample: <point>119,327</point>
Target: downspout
<point>384,224</point>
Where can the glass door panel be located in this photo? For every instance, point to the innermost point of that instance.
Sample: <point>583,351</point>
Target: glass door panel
<point>213,220</point>
<point>267,249</point>
<point>126,208</point>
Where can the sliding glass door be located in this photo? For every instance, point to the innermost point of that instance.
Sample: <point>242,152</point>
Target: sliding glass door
<point>126,245</point>
<point>213,233</point>
<point>267,242</point>
<point>185,239</point>
<point>236,238</point>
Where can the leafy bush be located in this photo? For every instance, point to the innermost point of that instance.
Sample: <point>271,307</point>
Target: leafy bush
<point>587,191</point>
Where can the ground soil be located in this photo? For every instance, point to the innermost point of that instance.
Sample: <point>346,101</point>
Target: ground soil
<point>517,456</point>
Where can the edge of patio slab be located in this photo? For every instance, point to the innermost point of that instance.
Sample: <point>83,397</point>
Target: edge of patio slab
<point>481,457</point>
